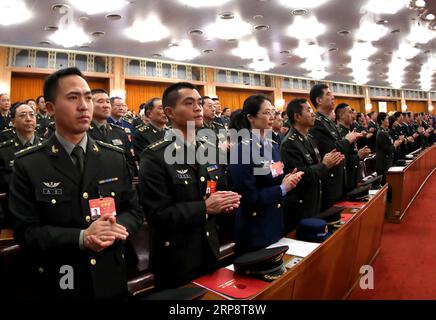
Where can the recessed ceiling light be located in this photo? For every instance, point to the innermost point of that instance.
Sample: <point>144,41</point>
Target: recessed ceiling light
<point>83,19</point>
<point>382,22</point>
<point>173,44</point>
<point>285,52</point>
<point>59,6</point>
<point>300,12</point>
<point>113,16</point>
<point>428,17</point>
<point>196,32</point>
<point>343,32</point>
<point>395,31</point>
<point>45,43</point>
<point>388,53</point>
<point>420,3</point>
<point>311,43</point>
<point>231,40</point>
<point>361,41</point>
<point>50,28</point>
<point>427,51</point>
<point>261,27</point>
<point>98,6</point>
<point>152,22</point>
<point>208,51</point>
<point>258,17</point>
<point>227,15</point>
<point>333,49</point>
<point>156,55</point>
<point>84,47</point>
<point>283,63</point>
<point>98,33</point>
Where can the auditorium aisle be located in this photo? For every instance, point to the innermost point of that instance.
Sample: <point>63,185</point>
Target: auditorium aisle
<point>405,266</point>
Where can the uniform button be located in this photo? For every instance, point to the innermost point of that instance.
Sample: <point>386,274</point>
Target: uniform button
<point>167,244</point>
<point>254,214</point>
<point>122,255</point>
<point>355,167</point>
<point>85,195</point>
<point>88,218</point>
<point>186,182</point>
<point>207,216</point>
<point>279,205</point>
<point>301,201</point>
<point>93,262</point>
<point>113,194</point>
<point>202,179</point>
<point>332,175</point>
<point>40,269</point>
<point>53,201</point>
<point>216,177</point>
<point>207,233</point>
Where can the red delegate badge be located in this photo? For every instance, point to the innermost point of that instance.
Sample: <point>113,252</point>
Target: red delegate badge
<point>211,187</point>
<point>102,207</point>
<point>276,169</point>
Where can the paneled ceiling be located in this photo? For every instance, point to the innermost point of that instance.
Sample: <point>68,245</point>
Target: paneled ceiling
<point>341,40</point>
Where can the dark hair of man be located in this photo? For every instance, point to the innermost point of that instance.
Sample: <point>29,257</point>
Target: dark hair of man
<point>397,115</point>
<point>15,107</point>
<point>225,109</point>
<point>52,81</point>
<point>149,105</point>
<point>215,99</point>
<point>171,93</point>
<point>409,114</point>
<point>204,98</point>
<point>97,91</point>
<point>381,117</point>
<point>358,116</point>
<point>251,107</point>
<point>234,120</point>
<point>284,113</point>
<point>317,91</point>
<point>339,109</point>
<point>39,99</point>
<point>294,107</point>
<point>404,114</point>
<point>392,120</point>
<point>370,114</point>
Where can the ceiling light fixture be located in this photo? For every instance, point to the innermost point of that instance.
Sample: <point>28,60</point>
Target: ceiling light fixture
<point>305,28</point>
<point>196,32</point>
<point>50,28</point>
<point>384,6</point>
<point>184,51</point>
<point>300,12</point>
<point>261,27</point>
<point>98,6</point>
<point>13,12</point>
<point>303,3</point>
<point>228,29</point>
<point>136,31</point>
<point>203,3</point>
<point>249,49</point>
<point>420,34</point>
<point>113,17</point>
<point>370,31</point>
<point>262,65</point>
<point>69,34</point>
<point>428,16</point>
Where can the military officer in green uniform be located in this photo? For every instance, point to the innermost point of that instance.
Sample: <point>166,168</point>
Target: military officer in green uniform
<point>111,133</point>
<point>328,138</point>
<point>43,118</point>
<point>54,186</point>
<point>156,128</point>
<point>181,199</point>
<point>23,120</point>
<point>5,117</point>
<point>298,150</point>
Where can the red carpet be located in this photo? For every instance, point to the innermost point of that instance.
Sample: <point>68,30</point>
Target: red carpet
<point>405,267</point>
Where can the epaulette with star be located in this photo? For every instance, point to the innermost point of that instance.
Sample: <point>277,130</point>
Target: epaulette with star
<point>109,146</point>
<point>159,144</point>
<point>29,150</point>
<point>116,126</point>
<point>6,143</point>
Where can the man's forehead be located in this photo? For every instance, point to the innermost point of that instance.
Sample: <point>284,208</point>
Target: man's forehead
<point>100,95</point>
<point>186,93</point>
<point>73,83</point>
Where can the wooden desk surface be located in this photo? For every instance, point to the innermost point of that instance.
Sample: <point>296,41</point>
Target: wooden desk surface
<point>406,184</point>
<point>332,270</point>
<point>6,238</point>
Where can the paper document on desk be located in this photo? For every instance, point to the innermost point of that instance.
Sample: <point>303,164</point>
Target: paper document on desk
<point>396,169</point>
<point>296,247</point>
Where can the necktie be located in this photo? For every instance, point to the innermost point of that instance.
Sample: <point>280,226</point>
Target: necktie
<point>79,157</point>
<point>103,130</point>
<point>27,144</point>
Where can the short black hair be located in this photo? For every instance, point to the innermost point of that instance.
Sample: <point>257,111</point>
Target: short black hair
<point>397,115</point>
<point>225,109</point>
<point>39,99</point>
<point>149,105</point>
<point>392,120</point>
<point>370,114</point>
<point>317,91</point>
<point>204,98</point>
<point>171,93</point>
<point>381,117</point>
<point>339,108</point>
<point>216,99</point>
<point>52,81</point>
<point>358,116</point>
<point>294,107</point>
<point>98,90</point>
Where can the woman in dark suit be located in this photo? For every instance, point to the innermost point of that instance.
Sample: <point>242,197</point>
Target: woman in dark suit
<point>385,146</point>
<point>257,174</point>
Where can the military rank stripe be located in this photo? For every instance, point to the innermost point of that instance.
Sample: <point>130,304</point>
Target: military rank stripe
<point>108,180</point>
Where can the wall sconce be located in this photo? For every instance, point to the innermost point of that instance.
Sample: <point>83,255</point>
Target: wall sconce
<point>279,104</point>
<point>404,108</point>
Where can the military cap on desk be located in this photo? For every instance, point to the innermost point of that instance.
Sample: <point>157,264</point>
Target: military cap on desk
<point>359,192</point>
<point>374,180</point>
<point>332,215</point>
<point>182,293</point>
<point>264,264</point>
<point>313,230</point>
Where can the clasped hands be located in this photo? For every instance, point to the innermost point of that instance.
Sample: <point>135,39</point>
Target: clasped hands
<point>103,232</point>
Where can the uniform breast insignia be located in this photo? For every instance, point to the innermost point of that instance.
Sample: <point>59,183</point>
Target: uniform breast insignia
<point>117,142</point>
<point>11,163</point>
<point>212,168</point>
<point>154,131</point>
<point>54,149</point>
<point>95,148</point>
<point>127,130</point>
<point>300,138</point>
<point>107,145</point>
<point>51,188</point>
<point>183,174</point>
<point>109,180</point>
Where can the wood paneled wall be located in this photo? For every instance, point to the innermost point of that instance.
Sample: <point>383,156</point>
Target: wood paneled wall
<point>354,103</point>
<point>138,92</point>
<point>234,98</point>
<point>30,86</point>
<point>417,106</point>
